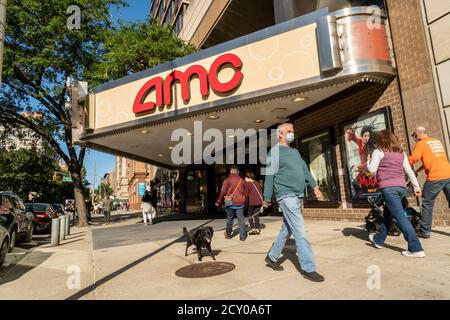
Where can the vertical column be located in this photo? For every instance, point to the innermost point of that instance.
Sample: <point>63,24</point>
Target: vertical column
<point>2,32</point>
<point>183,190</point>
<point>211,197</point>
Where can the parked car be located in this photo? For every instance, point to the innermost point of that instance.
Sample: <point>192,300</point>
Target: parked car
<point>19,222</point>
<point>59,208</point>
<point>43,213</point>
<point>4,241</point>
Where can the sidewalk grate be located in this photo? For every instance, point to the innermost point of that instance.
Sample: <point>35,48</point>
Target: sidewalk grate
<point>205,269</point>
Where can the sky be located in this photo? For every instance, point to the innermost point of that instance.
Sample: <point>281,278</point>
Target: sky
<point>96,161</point>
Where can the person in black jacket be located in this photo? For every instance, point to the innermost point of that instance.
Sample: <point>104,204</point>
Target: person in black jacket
<point>148,206</point>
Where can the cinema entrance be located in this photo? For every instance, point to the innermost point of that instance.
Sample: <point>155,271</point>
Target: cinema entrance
<point>322,71</point>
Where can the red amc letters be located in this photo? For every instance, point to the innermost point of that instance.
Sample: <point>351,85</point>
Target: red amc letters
<point>163,87</point>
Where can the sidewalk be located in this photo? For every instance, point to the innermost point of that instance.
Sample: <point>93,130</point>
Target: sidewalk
<point>44,273</point>
<point>128,260</point>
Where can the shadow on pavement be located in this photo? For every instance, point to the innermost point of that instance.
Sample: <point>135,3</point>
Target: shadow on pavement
<point>290,253</point>
<point>235,232</point>
<point>361,234</point>
<point>37,240</point>
<point>78,233</point>
<point>63,244</point>
<point>364,236</point>
<point>184,217</point>
<point>442,233</point>
<point>105,279</point>
<point>15,271</point>
<point>100,219</point>
<point>205,252</point>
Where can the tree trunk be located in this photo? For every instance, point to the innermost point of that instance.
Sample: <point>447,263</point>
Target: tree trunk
<point>79,197</point>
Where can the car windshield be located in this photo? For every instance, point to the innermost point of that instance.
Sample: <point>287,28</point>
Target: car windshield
<point>39,206</point>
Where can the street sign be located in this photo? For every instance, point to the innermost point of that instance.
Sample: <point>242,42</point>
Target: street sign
<point>141,188</point>
<point>67,179</point>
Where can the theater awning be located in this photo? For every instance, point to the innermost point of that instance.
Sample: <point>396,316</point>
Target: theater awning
<point>252,82</point>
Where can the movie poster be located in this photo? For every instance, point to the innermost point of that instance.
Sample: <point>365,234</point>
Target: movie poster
<point>359,143</point>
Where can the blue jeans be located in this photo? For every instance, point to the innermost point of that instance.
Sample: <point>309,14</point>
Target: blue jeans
<point>431,191</point>
<point>241,219</point>
<point>293,223</point>
<point>394,209</point>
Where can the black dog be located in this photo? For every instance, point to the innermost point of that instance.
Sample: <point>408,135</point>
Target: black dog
<point>201,238</point>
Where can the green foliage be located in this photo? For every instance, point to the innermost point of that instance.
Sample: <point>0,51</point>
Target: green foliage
<point>104,190</point>
<point>26,170</point>
<point>134,47</point>
<point>41,52</point>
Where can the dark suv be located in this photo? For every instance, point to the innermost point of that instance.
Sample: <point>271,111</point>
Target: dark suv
<point>19,222</point>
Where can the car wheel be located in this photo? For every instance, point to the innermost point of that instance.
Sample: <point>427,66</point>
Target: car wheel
<point>29,235</point>
<point>12,242</point>
<point>3,251</point>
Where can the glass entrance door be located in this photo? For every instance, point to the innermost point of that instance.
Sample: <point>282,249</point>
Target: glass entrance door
<point>197,190</point>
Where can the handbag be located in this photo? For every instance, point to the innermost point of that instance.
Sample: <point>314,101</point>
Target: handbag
<point>228,199</point>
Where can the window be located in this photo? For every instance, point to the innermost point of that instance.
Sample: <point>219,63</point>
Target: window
<point>318,153</point>
<point>167,20</point>
<point>179,21</point>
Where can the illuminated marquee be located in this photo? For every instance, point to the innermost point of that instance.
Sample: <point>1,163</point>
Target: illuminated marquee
<point>163,87</point>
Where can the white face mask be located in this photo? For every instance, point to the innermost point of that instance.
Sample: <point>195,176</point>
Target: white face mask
<point>290,137</point>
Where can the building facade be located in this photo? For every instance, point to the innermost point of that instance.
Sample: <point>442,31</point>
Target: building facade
<point>340,71</point>
<point>119,178</point>
<point>22,138</point>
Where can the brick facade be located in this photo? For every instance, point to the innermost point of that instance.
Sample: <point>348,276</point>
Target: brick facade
<point>350,104</point>
<point>137,173</point>
<point>411,97</point>
<point>416,80</point>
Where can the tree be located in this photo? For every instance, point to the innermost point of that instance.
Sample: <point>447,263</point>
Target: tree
<point>24,171</point>
<point>133,47</point>
<point>41,51</point>
<point>104,190</point>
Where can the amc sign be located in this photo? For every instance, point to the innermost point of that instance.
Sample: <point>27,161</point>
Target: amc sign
<point>163,87</point>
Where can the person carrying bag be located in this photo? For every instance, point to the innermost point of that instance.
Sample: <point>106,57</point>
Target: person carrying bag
<point>232,192</point>
<point>254,202</point>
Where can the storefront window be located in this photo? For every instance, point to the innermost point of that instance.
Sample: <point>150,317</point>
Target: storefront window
<point>196,200</point>
<point>318,153</point>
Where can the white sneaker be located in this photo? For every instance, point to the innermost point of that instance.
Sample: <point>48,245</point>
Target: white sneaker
<point>371,236</point>
<point>420,254</point>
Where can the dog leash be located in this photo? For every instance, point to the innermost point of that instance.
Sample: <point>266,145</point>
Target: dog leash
<point>255,214</point>
<point>248,218</point>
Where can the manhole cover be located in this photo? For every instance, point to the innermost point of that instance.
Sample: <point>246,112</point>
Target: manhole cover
<point>205,269</point>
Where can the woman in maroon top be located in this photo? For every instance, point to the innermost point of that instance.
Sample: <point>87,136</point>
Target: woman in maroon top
<point>254,201</point>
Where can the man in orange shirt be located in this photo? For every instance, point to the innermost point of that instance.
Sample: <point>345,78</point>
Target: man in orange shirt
<point>434,160</point>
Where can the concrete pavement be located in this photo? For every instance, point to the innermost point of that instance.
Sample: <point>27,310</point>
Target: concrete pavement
<point>127,260</point>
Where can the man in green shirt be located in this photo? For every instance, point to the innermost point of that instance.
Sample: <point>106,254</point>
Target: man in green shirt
<point>286,176</point>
